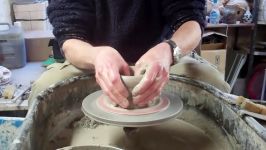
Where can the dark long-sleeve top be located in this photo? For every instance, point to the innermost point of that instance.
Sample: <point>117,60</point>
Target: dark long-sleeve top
<point>130,26</point>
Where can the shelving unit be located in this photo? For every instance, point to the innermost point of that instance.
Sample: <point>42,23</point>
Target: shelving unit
<point>259,53</point>
<point>240,45</point>
<point>257,36</point>
<point>253,38</point>
<point>236,53</point>
<point>260,39</point>
<point>229,25</point>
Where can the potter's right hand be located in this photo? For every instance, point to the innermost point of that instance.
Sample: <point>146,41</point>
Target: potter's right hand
<point>109,64</point>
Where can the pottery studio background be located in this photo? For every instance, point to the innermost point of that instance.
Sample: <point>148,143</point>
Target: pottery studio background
<point>233,41</point>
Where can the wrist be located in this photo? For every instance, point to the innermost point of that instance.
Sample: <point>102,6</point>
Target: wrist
<point>79,53</point>
<point>168,51</point>
<point>175,51</point>
<point>102,50</point>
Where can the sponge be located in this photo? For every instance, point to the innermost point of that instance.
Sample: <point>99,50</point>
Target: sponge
<point>247,104</point>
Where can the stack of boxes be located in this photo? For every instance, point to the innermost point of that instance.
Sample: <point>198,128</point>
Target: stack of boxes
<point>213,49</point>
<point>37,29</point>
<point>32,16</point>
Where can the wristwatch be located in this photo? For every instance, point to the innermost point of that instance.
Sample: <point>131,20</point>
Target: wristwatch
<point>176,51</point>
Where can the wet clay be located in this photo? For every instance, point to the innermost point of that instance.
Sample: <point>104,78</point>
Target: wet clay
<point>130,83</point>
<point>172,135</point>
<point>162,103</point>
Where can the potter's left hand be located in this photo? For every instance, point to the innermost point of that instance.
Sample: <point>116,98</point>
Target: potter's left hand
<point>156,64</point>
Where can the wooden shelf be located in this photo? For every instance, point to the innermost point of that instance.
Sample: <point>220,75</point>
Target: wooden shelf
<point>255,53</point>
<point>216,25</point>
<point>222,25</point>
<point>259,53</point>
<point>262,22</point>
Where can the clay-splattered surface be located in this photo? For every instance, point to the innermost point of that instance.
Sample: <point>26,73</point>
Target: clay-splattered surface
<point>170,135</point>
<point>8,131</point>
<point>50,121</point>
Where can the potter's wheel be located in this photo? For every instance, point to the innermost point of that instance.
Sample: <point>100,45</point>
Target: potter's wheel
<point>95,107</point>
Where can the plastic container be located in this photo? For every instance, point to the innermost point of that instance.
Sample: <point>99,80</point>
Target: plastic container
<point>215,14</point>
<point>12,47</point>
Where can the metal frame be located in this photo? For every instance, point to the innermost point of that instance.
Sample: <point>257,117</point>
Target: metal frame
<point>253,37</point>
<point>263,96</point>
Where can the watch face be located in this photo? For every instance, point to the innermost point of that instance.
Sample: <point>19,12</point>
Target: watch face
<point>177,51</point>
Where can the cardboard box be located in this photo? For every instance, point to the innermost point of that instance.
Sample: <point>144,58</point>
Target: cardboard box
<point>216,57</point>
<point>32,16</point>
<point>215,52</point>
<point>39,25</point>
<point>38,49</point>
<point>35,25</point>
<point>37,6</point>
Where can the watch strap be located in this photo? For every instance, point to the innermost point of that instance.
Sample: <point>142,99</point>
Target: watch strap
<point>175,51</point>
<point>172,44</point>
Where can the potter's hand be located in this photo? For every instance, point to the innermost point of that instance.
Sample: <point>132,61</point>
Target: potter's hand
<point>156,63</point>
<point>108,66</point>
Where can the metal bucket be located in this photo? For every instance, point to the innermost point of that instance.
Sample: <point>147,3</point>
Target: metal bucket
<point>49,122</point>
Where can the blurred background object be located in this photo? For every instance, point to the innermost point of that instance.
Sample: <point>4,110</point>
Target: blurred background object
<point>32,15</point>
<point>12,47</point>
<point>262,12</point>
<point>5,13</point>
<point>231,14</point>
<point>231,11</point>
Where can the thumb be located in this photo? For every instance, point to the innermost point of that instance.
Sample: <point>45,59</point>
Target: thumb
<point>126,70</point>
<point>140,69</point>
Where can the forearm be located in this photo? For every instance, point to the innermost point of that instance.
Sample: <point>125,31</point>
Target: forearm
<point>188,36</point>
<point>79,53</point>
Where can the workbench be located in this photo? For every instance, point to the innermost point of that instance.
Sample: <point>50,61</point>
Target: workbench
<point>22,76</point>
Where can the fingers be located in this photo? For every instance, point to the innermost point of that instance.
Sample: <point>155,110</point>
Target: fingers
<point>111,84</point>
<point>126,70</point>
<point>154,90</point>
<point>147,80</point>
<point>139,69</point>
<point>148,99</point>
<point>108,66</point>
